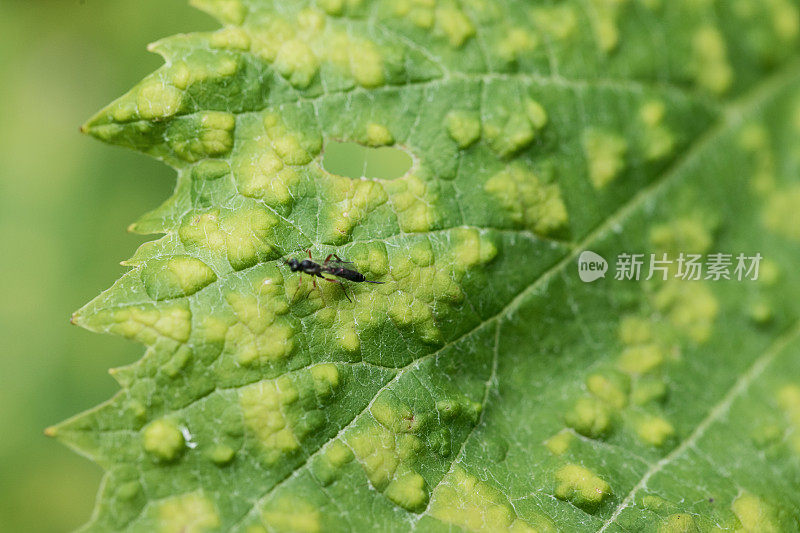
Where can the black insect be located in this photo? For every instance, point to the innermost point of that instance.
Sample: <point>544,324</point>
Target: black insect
<point>333,265</point>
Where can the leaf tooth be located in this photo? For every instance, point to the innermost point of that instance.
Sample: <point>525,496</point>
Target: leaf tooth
<point>124,375</point>
<point>79,434</point>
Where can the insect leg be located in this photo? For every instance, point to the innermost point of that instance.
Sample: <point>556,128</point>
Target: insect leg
<point>298,287</point>
<point>340,259</point>
<point>341,285</point>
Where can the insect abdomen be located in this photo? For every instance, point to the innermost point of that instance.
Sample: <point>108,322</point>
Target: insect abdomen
<point>348,274</point>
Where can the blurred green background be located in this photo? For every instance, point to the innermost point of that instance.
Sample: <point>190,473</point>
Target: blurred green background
<point>65,201</point>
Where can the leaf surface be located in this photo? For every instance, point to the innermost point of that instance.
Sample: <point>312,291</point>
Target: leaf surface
<point>483,386</point>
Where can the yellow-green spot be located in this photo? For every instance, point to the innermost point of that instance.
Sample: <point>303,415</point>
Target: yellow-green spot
<point>536,114</point>
<point>769,273</point>
<point>755,514</point>
<point>208,134</point>
<point>789,402</point>
<point>448,409</point>
<point>388,458</point>
<point>780,212</point>
<point>767,435</point>
<point>658,140</point>
<point>221,454</point>
<point>559,21</point>
<point>177,362</point>
<point>408,491</point>
<point>232,38</point>
<point>210,169</point>
<point>559,443</point>
<point>349,202</point>
<point>421,253</point>
<point>226,11</point>
<point>328,467</point>
<point>641,359</point>
<point>394,415</point>
<point>529,202</point>
<point>785,19</point>
<point>691,308</point>
<point>259,335</point>
<point>710,65</point>
<point>311,20</point>
<point>378,135</point>
<point>378,260</point>
<point>363,59</point>
<point>189,513</point>
<point>292,515</point>
<point>466,502</point>
<point>408,312</point>
<point>297,62</point>
<point>647,389</point>
<point>612,388</point>
<point>339,454</point>
<point>419,12</point>
<point>128,491</point>
<point>175,277</point>
<point>348,338</point>
<point>516,42</point>
<point>589,417</point>
<point>652,112</point>
<point>679,523</point>
<point>260,173</point>
<point>268,38</point>
<point>509,137</point>
<point>654,503</point>
<point>332,7</point>
<point>654,430</point>
<point>605,155</point>
<point>248,233</point>
<point>755,139</point>
<point>689,234</point>
<point>464,127</point>
<point>158,100</point>
<point>163,440</point>
<point>635,330</point>
<point>326,379</point>
<point>455,25</point>
<point>581,486</point>
<point>760,312</point>
<point>148,324</point>
<point>412,202</point>
<point>291,147</point>
<point>604,20</point>
<point>264,408</point>
<point>125,110</point>
<point>472,248</point>
<point>202,231</point>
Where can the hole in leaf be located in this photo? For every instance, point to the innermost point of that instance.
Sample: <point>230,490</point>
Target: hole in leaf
<point>355,161</point>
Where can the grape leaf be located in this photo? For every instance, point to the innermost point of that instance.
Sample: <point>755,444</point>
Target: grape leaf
<point>483,386</point>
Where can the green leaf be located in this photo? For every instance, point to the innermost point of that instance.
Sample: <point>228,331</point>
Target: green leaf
<point>483,385</point>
